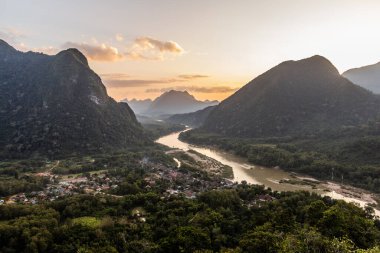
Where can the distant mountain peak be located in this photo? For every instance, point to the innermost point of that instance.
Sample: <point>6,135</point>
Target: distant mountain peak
<point>316,63</point>
<point>375,65</point>
<point>366,76</point>
<point>177,92</point>
<point>174,102</point>
<point>318,59</point>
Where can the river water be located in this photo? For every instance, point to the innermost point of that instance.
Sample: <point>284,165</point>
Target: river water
<point>269,177</point>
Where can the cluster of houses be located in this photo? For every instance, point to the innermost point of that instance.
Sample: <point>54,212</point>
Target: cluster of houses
<point>174,181</point>
<point>190,183</point>
<point>183,182</point>
<point>67,187</point>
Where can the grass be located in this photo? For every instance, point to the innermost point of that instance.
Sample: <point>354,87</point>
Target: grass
<point>70,176</point>
<point>87,221</point>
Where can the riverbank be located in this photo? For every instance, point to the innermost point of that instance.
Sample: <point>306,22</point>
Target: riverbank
<point>337,191</point>
<point>339,157</point>
<point>198,161</point>
<point>352,194</point>
<point>271,177</point>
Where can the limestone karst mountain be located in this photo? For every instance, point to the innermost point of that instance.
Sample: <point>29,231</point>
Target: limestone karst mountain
<point>57,104</point>
<point>293,98</point>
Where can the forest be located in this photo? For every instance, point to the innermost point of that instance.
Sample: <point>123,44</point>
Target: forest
<point>242,219</point>
<point>141,217</point>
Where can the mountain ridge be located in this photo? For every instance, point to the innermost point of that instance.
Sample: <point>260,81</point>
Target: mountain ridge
<point>366,76</point>
<point>175,102</point>
<point>304,96</point>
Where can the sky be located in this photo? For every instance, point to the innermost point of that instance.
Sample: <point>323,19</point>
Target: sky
<point>141,48</point>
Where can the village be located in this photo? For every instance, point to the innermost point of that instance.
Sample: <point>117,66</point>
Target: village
<point>168,180</point>
<point>62,186</point>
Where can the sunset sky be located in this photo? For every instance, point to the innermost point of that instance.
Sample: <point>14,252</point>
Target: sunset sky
<point>141,48</point>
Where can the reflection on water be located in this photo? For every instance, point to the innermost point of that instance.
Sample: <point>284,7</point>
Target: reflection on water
<point>269,177</point>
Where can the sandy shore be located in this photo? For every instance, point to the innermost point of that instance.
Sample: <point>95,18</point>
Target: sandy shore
<point>357,195</point>
<point>348,193</point>
<point>201,162</point>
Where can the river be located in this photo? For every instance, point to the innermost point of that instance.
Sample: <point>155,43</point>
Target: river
<point>269,177</point>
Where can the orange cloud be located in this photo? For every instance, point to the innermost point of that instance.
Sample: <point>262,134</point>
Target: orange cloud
<point>191,77</point>
<point>146,48</point>
<point>114,76</point>
<point>162,46</point>
<point>142,48</point>
<point>120,83</point>
<point>98,52</point>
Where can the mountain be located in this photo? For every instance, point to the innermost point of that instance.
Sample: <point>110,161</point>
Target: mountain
<point>192,119</point>
<point>51,105</point>
<point>138,106</point>
<point>367,77</point>
<point>176,102</point>
<point>293,98</point>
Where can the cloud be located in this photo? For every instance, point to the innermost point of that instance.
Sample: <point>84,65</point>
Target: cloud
<point>142,48</point>
<point>97,52</point>
<point>121,80</point>
<point>147,48</point>
<point>198,89</point>
<point>192,77</point>
<point>117,76</point>
<point>114,83</point>
<point>119,37</point>
<point>162,46</point>
<point>126,83</point>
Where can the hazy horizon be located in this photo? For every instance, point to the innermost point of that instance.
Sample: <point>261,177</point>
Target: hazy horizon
<point>209,48</point>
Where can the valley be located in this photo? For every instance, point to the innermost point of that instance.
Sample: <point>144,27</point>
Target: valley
<point>275,178</point>
<point>288,163</point>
